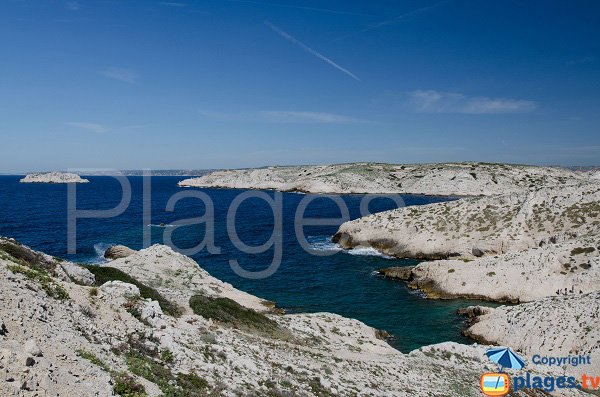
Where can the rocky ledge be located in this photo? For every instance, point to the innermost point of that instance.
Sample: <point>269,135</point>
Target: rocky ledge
<point>449,179</point>
<point>53,177</point>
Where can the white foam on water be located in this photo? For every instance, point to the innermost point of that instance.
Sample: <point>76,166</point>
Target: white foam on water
<point>324,243</point>
<point>100,249</point>
<point>153,225</point>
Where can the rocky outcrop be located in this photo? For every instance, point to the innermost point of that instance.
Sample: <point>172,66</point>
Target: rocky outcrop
<point>118,252</point>
<point>482,226</point>
<point>403,273</point>
<point>559,326</point>
<point>458,179</point>
<point>53,177</point>
<point>179,277</point>
<point>110,339</point>
<point>566,268</point>
<point>514,247</point>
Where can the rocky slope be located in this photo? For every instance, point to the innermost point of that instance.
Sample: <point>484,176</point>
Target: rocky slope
<point>567,268</point>
<point>53,177</point>
<point>461,179</point>
<point>474,227</point>
<point>559,326</point>
<point>61,337</point>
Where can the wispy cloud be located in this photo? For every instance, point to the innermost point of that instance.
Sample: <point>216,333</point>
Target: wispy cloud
<point>393,20</point>
<point>297,7</point>
<point>72,5</point>
<point>285,116</point>
<point>121,74</point>
<point>306,48</point>
<point>450,102</point>
<point>582,60</point>
<point>94,127</point>
<point>171,4</point>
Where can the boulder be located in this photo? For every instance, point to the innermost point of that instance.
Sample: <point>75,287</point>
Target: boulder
<point>3,330</point>
<point>118,289</point>
<point>31,347</point>
<point>117,252</point>
<point>79,274</point>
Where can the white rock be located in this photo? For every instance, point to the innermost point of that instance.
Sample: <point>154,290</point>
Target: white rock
<point>462,179</point>
<point>119,289</point>
<point>53,177</point>
<point>118,251</point>
<point>78,273</point>
<point>31,347</point>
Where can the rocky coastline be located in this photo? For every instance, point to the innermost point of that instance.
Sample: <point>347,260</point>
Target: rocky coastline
<point>155,323</point>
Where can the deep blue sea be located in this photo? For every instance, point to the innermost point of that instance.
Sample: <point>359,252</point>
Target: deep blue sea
<point>343,283</point>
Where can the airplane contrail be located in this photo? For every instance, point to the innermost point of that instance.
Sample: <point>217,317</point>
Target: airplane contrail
<point>393,20</point>
<point>306,48</point>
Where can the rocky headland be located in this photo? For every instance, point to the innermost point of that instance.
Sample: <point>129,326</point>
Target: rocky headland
<point>510,247</point>
<point>53,177</point>
<point>449,179</point>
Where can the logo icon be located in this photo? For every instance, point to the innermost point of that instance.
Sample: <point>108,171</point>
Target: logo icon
<point>495,384</point>
<point>498,383</point>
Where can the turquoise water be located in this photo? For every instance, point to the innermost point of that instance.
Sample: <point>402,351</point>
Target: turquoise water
<point>343,283</point>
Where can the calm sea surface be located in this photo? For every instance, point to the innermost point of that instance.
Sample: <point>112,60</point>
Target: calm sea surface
<point>343,283</point>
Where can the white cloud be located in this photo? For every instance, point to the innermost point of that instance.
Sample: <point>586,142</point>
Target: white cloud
<point>72,5</point>
<point>99,128</point>
<point>126,75</point>
<point>431,101</point>
<point>287,116</point>
<point>171,4</point>
<point>306,48</point>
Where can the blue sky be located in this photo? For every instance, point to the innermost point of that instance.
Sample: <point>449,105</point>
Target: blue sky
<point>210,84</point>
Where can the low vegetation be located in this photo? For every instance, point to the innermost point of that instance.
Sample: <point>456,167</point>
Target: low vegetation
<point>229,312</point>
<point>159,373</point>
<point>124,384</point>
<point>104,274</point>
<point>46,283</point>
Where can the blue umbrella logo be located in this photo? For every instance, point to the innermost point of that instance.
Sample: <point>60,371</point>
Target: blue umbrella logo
<point>505,357</point>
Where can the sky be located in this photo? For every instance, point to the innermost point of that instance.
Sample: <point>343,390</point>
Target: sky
<point>185,84</point>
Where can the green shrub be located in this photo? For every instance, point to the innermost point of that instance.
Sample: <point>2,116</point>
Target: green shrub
<point>104,274</point>
<point>25,256</point>
<point>582,250</point>
<point>126,386</point>
<point>229,312</point>
<point>181,385</point>
<point>93,359</point>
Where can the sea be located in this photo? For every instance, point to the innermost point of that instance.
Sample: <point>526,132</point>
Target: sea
<point>324,279</point>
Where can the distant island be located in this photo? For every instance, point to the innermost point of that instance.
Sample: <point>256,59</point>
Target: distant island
<point>53,177</point>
